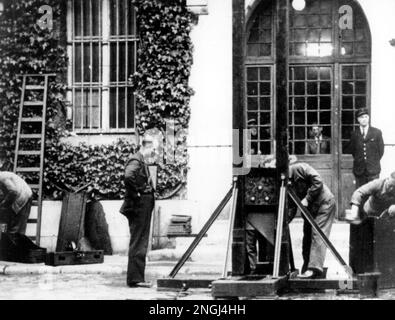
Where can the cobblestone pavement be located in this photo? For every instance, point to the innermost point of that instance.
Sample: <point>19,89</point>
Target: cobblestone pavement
<point>108,287</point>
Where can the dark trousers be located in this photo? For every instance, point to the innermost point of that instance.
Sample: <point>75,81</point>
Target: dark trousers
<point>314,249</point>
<point>139,224</point>
<point>251,246</point>
<point>16,222</point>
<point>360,234</point>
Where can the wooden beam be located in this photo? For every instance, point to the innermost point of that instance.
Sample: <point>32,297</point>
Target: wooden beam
<point>239,122</point>
<point>170,283</point>
<point>237,287</point>
<point>282,75</point>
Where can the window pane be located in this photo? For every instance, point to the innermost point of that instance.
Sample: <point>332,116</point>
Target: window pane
<point>264,73</point>
<point>325,103</point>
<point>113,17</point>
<point>122,16</point>
<point>312,103</point>
<point>265,118</point>
<point>87,17</point>
<point>260,35</point>
<point>77,62</point>
<point>87,109</point>
<point>265,88</point>
<point>312,88</point>
<point>96,18</point>
<point>122,62</point>
<point>265,103</point>
<point>252,88</point>
<point>113,62</point>
<point>113,107</point>
<point>87,63</point>
<point>122,108</point>
<point>252,74</point>
<point>96,62</point>
<point>131,108</point>
<point>77,18</point>
<point>312,73</point>
<point>252,103</point>
<point>132,21</point>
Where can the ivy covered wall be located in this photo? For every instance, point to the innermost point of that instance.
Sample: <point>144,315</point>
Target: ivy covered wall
<point>160,83</point>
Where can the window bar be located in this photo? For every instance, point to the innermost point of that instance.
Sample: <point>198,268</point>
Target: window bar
<point>100,46</point>
<point>135,64</point>
<point>117,66</point>
<point>91,68</point>
<point>126,62</point>
<point>73,59</point>
<point>82,64</point>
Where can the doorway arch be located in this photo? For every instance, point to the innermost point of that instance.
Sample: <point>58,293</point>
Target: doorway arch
<point>329,79</point>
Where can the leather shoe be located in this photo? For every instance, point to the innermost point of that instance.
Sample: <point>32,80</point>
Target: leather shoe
<point>140,284</point>
<point>311,274</point>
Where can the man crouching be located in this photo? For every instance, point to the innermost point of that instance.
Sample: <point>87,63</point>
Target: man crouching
<point>320,201</point>
<point>17,201</point>
<point>373,199</point>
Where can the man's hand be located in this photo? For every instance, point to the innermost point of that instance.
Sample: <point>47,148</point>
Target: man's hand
<point>354,210</point>
<point>305,202</point>
<point>391,211</point>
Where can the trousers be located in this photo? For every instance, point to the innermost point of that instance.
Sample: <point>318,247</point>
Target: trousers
<point>313,248</point>
<point>139,225</point>
<point>16,222</point>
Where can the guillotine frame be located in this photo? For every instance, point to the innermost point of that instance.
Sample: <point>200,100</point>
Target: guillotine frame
<point>280,274</point>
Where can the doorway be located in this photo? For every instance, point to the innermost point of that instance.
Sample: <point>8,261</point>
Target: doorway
<point>329,79</point>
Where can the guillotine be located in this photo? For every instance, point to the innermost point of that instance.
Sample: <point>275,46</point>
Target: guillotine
<point>260,192</point>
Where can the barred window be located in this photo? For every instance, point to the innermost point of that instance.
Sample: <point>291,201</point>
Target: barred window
<point>103,45</point>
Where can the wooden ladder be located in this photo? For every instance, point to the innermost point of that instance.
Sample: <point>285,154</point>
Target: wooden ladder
<point>30,143</point>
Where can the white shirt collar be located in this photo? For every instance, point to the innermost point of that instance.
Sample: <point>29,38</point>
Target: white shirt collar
<point>366,129</point>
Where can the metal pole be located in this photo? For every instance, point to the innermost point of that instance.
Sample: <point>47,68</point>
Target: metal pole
<point>321,234</point>
<point>231,224</point>
<point>201,234</point>
<point>279,230</point>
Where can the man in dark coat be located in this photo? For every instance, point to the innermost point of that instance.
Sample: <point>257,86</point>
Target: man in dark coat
<point>367,147</point>
<point>317,197</point>
<point>137,207</point>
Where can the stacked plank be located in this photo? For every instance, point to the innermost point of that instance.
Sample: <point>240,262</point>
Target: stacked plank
<point>180,226</point>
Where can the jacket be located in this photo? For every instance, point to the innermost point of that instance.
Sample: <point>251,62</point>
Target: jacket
<point>308,184</point>
<point>367,152</point>
<point>318,147</point>
<point>137,182</point>
<point>16,191</point>
<point>374,196</point>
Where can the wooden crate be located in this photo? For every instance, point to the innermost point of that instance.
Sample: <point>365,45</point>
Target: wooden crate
<point>372,247</point>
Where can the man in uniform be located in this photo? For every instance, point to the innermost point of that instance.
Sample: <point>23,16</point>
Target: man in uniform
<point>317,197</point>
<point>16,202</point>
<point>367,147</point>
<point>137,207</point>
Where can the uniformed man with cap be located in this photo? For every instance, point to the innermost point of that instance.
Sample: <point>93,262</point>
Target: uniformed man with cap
<point>367,147</point>
<point>137,207</point>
